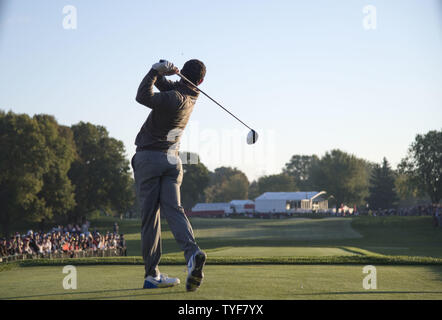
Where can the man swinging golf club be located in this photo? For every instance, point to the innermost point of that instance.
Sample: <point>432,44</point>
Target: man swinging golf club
<point>158,170</point>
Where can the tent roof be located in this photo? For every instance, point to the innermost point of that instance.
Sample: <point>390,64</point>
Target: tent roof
<point>241,202</point>
<point>217,206</point>
<point>291,196</point>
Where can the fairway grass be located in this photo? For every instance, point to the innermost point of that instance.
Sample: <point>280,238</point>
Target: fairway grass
<point>256,259</point>
<point>279,252</point>
<point>273,282</point>
<point>212,234</point>
<point>395,236</point>
<point>294,229</point>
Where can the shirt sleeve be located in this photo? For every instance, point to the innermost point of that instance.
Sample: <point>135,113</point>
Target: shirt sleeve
<point>148,98</point>
<point>163,84</point>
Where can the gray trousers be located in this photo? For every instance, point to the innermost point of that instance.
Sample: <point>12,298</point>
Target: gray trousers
<point>158,177</point>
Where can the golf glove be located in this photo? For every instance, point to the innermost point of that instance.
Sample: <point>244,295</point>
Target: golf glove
<point>164,67</point>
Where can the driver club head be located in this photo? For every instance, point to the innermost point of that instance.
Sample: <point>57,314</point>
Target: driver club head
<point>252,137</point>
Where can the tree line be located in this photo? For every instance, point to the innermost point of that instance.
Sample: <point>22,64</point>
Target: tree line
<point>346,178</point>
<point>51,172</point>
<point>55,173</point>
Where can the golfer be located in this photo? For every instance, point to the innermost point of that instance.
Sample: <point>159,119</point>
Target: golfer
<point>158,170</point>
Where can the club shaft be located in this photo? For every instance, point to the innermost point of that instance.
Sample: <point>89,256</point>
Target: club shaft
<point>190,82</point>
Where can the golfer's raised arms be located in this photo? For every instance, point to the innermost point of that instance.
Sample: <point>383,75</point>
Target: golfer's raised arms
<point>163,84</point>
<point>148,98</point>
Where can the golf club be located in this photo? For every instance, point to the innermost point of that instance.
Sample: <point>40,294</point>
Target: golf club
<point>252,136</point>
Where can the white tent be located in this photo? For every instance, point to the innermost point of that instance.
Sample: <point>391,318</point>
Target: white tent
<point>241,206</point>
<point>289,202</point>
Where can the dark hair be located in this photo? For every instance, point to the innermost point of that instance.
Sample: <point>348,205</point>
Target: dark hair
<point>194,70</point>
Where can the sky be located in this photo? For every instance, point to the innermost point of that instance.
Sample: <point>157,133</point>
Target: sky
<point>308,76</point>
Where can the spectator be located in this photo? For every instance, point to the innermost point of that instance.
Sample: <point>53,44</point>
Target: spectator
<point>67,240</point>
<point>437,216</point>
<point>122,244</point>
<point>3,247</point>
<point>84,225</point>
<point>26,248</point>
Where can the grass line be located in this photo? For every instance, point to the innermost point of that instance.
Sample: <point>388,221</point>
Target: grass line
<point>360,251</point>
<point>360,259</point>
<point>8,266</point>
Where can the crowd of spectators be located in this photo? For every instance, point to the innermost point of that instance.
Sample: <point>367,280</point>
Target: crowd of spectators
<point>66,240</point>
<point>434,210</point>
<point>419,210</point>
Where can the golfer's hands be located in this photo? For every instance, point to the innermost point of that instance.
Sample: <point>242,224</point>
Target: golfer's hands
<point>165,68</point>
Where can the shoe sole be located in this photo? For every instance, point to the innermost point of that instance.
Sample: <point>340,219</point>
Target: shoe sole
<point>196,277</point>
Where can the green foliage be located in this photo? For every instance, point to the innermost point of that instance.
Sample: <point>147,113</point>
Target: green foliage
<point>57,190</point>
<point>382,187</point>
<point>423,164</point>
<point>49,172</point>
<point>299,167</point>
<point>195,180</point>
<point>272,183</point>
<point>236,187</point>
<point>254,190</point>
<point>227,184</point>
<point>100,173</point>
<point>343,176</point>
<point>34,161</point>
<point>408,191</point>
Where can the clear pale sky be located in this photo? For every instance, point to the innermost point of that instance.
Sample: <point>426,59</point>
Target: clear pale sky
<point>306,75</point>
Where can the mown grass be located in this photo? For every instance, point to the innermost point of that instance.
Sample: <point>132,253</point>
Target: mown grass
<point>300,258</point>
<point>173,259</point>
<point>402,236</point>
<point>224,282</point>
<point>413,236</point>
<point>360,240</point>
<point>212,234</point>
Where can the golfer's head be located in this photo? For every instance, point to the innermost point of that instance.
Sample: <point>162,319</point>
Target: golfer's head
<point>194,70</point>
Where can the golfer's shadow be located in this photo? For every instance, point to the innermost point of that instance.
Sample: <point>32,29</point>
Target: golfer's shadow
<point>152,292</point>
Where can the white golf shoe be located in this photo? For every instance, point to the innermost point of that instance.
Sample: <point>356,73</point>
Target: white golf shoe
<point>161,281</point>
<point>195,270</point>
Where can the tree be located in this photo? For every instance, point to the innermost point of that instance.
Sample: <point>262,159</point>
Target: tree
<point>299,167</point>
<point>343,176</point>
<point>36,154</point>
<point>408,191</point>
<point>227,184</point>
<point>273,183</point>
<point>423,164</point>
<point>222,173</point>
<point>382,187</point>
<point>254,190</point>
<point>195,180</point>
<point>100,173</point>
<point>57,191</point>
<point>234,188</point>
